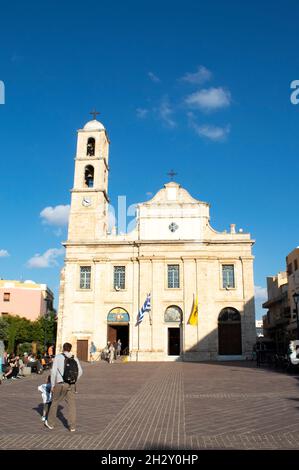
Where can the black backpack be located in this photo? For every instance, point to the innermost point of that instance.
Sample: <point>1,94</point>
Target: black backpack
<point>71,370</point>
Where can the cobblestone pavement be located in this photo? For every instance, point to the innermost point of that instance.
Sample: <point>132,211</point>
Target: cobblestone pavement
<point>160,406</point>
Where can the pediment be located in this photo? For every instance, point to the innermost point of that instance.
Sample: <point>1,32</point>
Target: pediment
<point>172,193</point>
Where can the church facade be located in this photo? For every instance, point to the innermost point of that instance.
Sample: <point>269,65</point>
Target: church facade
<point>172,255</point>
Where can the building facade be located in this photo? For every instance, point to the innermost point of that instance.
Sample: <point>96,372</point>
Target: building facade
<point>281,321</point>
<point>277,319</point>
<point>173,254</point>
<point>292,265</point>
<point>26,299</point>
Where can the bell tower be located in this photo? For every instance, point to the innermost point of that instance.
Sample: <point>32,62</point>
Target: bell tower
<point>89,201</point>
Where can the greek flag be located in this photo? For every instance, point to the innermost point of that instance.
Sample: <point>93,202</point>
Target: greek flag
<point>145,308</point>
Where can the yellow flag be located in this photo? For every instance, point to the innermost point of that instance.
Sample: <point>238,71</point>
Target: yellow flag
<point>193,319</point>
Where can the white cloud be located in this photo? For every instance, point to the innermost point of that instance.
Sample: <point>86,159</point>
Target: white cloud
<point>46,260</point>
<point>211,132</point>
<point>141,113</point>
<point>165,113</point>
<point>58,215</point>
<point>260,293</point>
<point>209,99</point>
<point>154,78</point>
<point>4,253</point>
<point>202,75</point>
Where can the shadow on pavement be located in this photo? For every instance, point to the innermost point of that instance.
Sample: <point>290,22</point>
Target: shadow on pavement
<point>60,416</point>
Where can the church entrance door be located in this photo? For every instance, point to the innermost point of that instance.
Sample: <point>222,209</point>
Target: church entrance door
<point>82,349</point>
<point>229,332</point>
<point>116,332</point>
<point>230,343</point>
<point>174,341</point>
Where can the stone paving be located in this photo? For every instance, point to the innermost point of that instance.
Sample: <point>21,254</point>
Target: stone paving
<point>165,406</point>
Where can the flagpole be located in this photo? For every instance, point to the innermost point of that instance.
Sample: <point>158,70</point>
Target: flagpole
<point>150,312</point>
<point>196,264</point>
<point>183,315</point>
<point>150,317</point>
<point>138,341</point>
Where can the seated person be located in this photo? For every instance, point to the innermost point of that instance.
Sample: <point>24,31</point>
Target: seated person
<point>13,370</point>
<point>35,364</point>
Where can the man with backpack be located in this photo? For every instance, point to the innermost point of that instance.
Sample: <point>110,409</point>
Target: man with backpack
<point>66,371</point>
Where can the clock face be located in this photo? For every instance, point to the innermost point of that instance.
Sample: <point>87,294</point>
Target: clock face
<point>86,201</point>
<point>173,227</point>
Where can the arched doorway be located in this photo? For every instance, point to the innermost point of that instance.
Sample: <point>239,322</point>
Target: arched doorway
<point>229,332</point>
<point>118,321</point>
<point>173,318</point>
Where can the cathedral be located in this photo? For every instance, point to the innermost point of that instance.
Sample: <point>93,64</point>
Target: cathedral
<point>172,258</point>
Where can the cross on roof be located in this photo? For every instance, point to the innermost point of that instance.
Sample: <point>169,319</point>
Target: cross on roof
<point>94,112</point>
<point>171,174</point>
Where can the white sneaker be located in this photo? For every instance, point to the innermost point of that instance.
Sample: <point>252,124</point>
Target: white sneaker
<point>44,418</point>
<point>72,429</point>
<point>48,425</point>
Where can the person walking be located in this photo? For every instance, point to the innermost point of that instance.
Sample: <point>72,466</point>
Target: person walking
<point>45,390</point>
<point>111,353</point>
<point>66,371</point>
<point>92,351</point>
<point>118,348</point>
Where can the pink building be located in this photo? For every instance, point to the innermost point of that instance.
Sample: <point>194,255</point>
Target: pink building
<point>26,299</point>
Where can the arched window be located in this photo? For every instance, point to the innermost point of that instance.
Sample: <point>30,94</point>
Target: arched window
<point>229,332</point>
<point>89,176</point>
<point>229,314</point>
<point>118,315</point>
<point>173,314</point>
<point>90,147</point>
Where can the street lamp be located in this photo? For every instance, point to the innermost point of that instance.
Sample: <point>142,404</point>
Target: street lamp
<point>47,318</point>
<point>45,334</point>
<point>296,300</point>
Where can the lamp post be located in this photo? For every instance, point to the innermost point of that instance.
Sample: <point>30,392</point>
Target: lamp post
<point>47,319</point>
<point>45,334</point>
<point>296,300</point>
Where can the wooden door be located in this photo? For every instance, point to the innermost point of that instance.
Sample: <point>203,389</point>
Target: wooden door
<point>112,334</point>
<point>230,340</point>
<point>174,339</point>
<point>82,349</point>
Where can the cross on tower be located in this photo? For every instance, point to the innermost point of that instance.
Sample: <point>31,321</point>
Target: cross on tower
<point>94,112</point>
<point>171,174</point>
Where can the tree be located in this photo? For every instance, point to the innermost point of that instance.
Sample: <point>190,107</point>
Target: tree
<point>15,330</point>
<point>4,327</point>
<point>48,326</point>
<point>18,331</point>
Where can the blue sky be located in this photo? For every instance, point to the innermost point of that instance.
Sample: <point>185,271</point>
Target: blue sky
<point>201,87</point>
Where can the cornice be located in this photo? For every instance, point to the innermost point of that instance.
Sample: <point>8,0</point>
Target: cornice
<point>138,243</point>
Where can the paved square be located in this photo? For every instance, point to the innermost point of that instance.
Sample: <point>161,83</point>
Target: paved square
<point>160,406</point>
